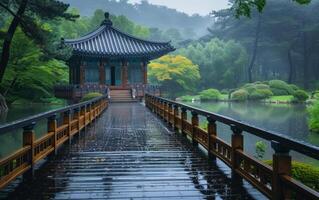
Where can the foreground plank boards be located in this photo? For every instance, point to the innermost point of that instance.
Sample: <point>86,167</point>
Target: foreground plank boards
<point>129,154</point>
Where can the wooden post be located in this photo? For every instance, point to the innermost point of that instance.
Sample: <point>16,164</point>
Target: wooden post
<point>195,123</point>
<point>76,116</point>
<point>28,140</point>
<point>52,127</point>
<point>67,120</point>
<point>212,133</point>
<point>169,112</point>
<point>281,166</point>
<point>82,113</point>
<point>124,73</point>
<point>176,114</point>
<point>237,143</point>
<point>144,72</point>
<point>101,73</point>
<point>184,118</point>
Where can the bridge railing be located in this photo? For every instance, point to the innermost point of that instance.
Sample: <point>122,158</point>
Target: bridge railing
<point>274,181</point>
<point>72,120</point>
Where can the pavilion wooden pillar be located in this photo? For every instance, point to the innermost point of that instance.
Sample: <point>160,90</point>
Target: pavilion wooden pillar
<point>101,73</point>
<point>144,72</point>
<point>82,73</point>
<point>124,73</point>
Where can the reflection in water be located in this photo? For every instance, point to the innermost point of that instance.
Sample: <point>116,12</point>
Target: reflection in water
<point>286,119</point>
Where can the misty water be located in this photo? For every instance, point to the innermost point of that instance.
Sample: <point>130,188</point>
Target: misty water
<point>12,141</point>
<point>286,119</point>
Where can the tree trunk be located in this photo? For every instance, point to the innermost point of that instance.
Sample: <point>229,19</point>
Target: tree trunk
<point>255,48</point>
<point>305,62</point>
<point>5,55</point>
<point>291,67</point>
<point>3,105</point>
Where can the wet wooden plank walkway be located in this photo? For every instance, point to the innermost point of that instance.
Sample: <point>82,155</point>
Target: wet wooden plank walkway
<point>130,154</point>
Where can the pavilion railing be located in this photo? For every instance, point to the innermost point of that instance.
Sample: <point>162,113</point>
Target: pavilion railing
<point>62,125</point>
<point>274,181</point>
<point>74,91</point>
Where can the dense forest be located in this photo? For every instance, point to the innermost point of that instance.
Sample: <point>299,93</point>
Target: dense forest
<point>149,15</point>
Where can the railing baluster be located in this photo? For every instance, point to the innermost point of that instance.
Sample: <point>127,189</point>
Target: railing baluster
<point>184,119</point>
<point>212,133</point>
<point>281,166</point>
<point>52,127</point>
<point>28,140</point>
<point>169,111</point>
<point>67,120</point>
<point>195,123</point>
<point>176,115</point>
<point>76,116</point>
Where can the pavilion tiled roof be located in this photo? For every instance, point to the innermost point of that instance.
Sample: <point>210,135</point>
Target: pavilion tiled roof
<point>108,41</point>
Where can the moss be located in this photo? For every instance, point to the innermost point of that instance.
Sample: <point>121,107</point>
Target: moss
<point>210,94</point>
<point>305,173</point>
<point>90,96</point>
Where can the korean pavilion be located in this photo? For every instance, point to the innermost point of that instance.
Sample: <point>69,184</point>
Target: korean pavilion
<point>108,58</point>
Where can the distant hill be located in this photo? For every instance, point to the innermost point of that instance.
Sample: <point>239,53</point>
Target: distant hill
<point>148,15</point>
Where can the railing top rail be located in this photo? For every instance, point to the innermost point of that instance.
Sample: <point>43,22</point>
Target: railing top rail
<point>27,121</point>
<point>292,144</point>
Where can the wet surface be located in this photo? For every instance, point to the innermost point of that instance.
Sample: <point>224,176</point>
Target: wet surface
<point>128,153</point>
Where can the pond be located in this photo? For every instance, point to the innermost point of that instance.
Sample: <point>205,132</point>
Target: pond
<point>286,119</point>
<point>12,141</point>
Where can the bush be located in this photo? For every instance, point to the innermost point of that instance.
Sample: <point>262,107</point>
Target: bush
<point>210,94</point>
<point>90,96</point>
<point>294,87</point>
<point>260,94</point>
<point>314,117</point>
<point>305,173</point>
<point>280,88</point>
<point>262,87</point>
<point>300,95</point>
<point>240,95</point>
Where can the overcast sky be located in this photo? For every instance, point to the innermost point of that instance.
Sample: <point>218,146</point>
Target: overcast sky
<point>202,7</point>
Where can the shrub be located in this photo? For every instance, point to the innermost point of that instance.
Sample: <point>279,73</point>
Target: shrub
<point>90,96</point>
<point>260,149</point>
<point>314,117</point>
<point>300,95</point>
<point>294,87</point>
<point>240,95</point>
<point>262,87</point>
<point>210,94</point>
<point>260,94</point>
<point>279,88</point>
<point>305,173</point>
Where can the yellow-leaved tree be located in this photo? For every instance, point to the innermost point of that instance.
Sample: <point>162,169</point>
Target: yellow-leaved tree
<point>176,74</point>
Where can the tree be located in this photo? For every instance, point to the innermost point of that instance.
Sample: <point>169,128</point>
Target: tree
<point>244,7</point>
<point>221,63</point>
<point>176,74</point>
<point>28,16</point>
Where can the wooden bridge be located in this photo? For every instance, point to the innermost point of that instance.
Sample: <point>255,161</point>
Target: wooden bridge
<point>94,150</point>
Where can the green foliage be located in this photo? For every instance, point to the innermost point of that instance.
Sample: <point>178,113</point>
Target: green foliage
<point>244,7</point>
<point>300,95</point>
<point>174,73</point>
<point>29,76</point>
<point>240,95</point>
<point>210,94</point>
<point>314,117</point>
<point>305,173</point>
<point>260,147</point>
<point>260,94</point>
<point>280,88</point>
<point>221,62</point>
<point>91,96</point>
